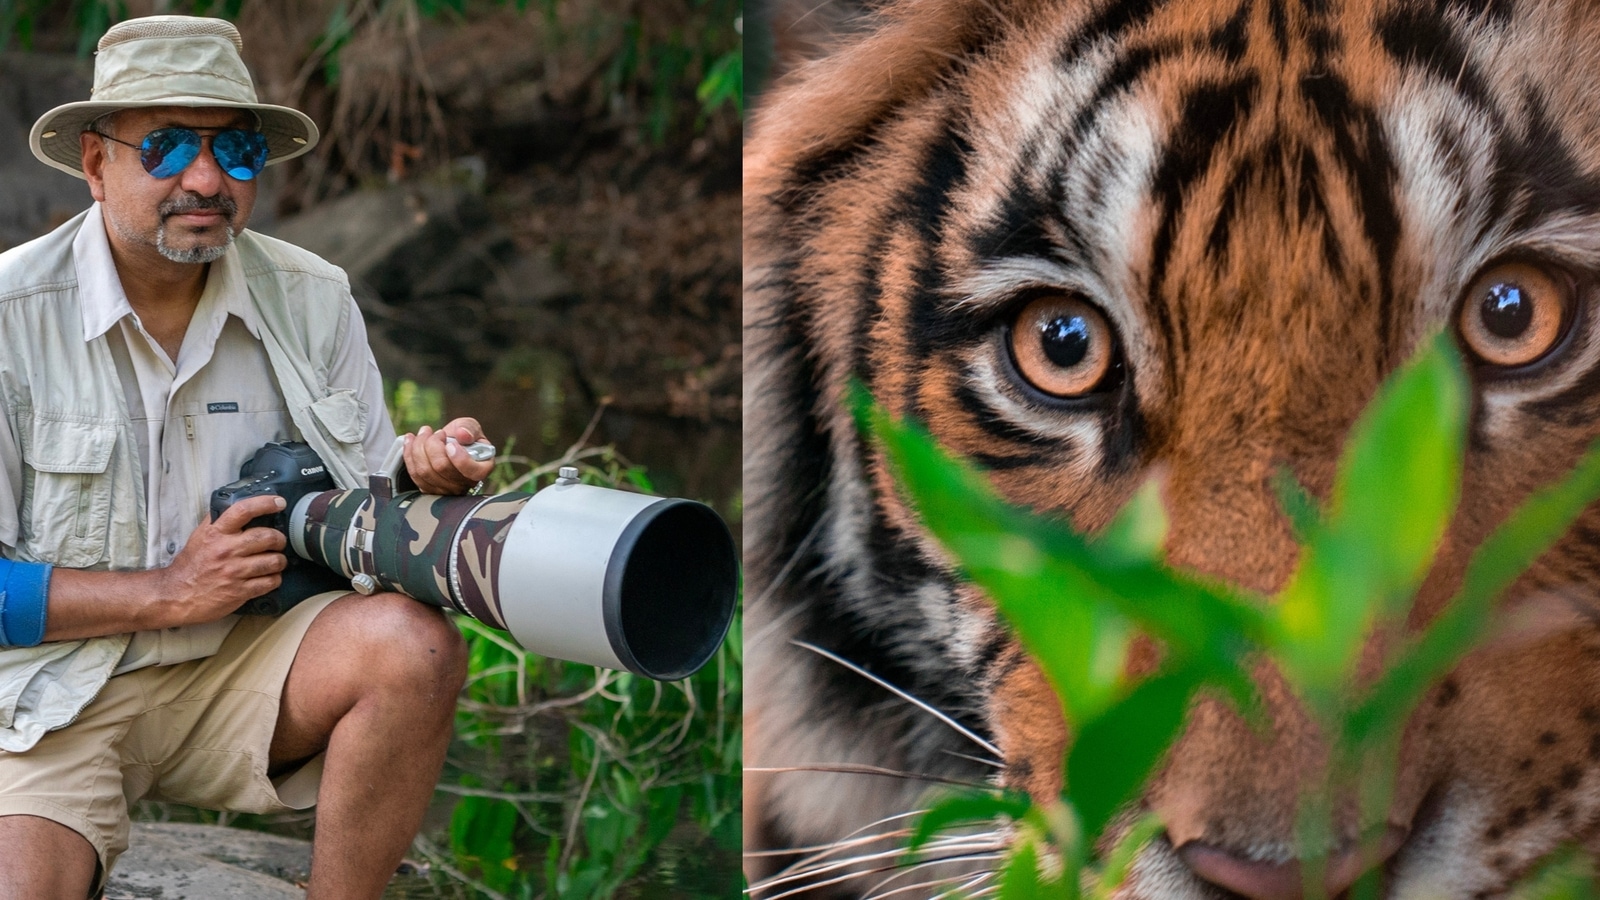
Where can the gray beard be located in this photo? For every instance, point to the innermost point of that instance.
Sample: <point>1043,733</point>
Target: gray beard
<point>192,255</point>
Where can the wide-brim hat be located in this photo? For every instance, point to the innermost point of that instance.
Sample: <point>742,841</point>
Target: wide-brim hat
<point>168,61</point>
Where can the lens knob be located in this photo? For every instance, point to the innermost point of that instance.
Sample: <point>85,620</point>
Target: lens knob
<point>567,475</point>
<point>364,584</point>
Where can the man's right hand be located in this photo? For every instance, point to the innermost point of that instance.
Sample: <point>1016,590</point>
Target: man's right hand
<point>223,565</point>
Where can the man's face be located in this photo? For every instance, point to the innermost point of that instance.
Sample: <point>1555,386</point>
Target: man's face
<point>190,217</point>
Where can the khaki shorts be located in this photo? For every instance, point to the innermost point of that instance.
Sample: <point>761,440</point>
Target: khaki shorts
<point>196,733</point>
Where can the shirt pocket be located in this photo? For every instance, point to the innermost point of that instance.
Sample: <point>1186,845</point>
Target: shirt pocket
<point>68,486</point>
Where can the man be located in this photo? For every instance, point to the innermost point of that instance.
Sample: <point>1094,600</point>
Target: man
<point>147,348</point>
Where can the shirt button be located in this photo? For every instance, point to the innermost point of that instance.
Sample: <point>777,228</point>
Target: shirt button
<point>166,466</point>
<point>172,547</point>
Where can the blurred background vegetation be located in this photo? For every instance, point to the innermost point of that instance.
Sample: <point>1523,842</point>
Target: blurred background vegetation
<point>537,201</point>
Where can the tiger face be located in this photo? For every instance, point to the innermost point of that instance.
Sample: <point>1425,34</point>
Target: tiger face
<point>1088,241</point>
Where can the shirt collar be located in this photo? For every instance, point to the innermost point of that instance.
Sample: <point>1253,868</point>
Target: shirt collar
<point>100,293</point>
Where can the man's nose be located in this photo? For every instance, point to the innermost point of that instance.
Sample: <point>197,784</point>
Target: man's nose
<point>204,175</point>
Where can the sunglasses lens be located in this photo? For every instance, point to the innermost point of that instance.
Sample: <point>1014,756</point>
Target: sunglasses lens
<point>167,151</point>
<point>241,154</point>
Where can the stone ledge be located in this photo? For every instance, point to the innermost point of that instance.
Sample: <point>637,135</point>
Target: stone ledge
<point>174,861</point>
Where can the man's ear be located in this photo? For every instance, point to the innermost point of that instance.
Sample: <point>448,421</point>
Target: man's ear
<point>94,158</point>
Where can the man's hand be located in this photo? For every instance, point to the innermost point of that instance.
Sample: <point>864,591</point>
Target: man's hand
<point>440,465</point>
<point>224,564</point>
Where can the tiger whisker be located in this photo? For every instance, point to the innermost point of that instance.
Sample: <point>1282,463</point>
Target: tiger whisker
<point>854,769</point>
<point>981,877</point>
<point>953,847</point>
<point>977,759</point>
<point>777,580</point>
<point>792,892</point>
<point>811,871</point>
<point>922,704</point>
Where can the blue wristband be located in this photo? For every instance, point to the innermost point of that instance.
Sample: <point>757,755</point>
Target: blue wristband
<point>23,589</point>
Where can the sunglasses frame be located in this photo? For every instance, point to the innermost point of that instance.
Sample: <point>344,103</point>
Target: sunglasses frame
<point>251,159</point>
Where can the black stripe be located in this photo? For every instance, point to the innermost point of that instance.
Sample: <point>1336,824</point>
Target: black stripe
<point>1114,18</point>
<point>1415,37</point>
<point>1497,12</point>
<point>1209,114</point>
<point>997,426</point>
<point>1359,149</point>
<point>1127,69</point>
<point>926,205</point>
<point>1278,18</point>
<point>1229,39</point>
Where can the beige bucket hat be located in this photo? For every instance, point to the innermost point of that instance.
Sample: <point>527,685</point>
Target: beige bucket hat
<point>168,61</point>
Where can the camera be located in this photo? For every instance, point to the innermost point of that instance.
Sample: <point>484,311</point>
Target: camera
<point>575,571</point>
<point>290,470</point>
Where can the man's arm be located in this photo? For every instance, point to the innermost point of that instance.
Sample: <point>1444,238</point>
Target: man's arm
<point>221,567</point>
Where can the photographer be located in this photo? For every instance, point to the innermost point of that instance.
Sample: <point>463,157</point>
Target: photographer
<point>147,347</point>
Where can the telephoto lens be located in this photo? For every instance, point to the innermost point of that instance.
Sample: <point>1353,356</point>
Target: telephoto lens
<point>575,571</point>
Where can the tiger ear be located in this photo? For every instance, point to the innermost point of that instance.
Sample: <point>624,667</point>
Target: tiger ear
<point>804,30</point>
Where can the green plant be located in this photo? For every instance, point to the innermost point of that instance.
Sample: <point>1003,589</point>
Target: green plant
<point>577,782</point>
<point>1076,601</point>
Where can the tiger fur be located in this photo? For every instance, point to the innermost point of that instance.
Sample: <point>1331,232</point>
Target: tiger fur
<point>1271,204</point>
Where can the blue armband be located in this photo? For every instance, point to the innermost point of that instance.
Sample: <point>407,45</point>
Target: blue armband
<point>23,589</point>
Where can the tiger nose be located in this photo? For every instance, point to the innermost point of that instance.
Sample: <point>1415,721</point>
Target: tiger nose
<point>1283,880</point>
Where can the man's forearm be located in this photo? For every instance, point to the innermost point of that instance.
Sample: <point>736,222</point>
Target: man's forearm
<point>86,604</point>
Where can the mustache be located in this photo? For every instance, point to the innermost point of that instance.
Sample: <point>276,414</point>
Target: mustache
<point>191,203</point>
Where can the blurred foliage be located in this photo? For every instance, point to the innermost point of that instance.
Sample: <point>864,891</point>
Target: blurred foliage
<point>667,66</point>
<point>1076,601</point>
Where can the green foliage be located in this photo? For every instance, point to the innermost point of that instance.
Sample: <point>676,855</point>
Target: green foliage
<point>412,406</point>
<point>579,782</point>
<point>1074,601</point>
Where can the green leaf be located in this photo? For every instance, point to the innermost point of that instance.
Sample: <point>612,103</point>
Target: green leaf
<point>964,807</point>
<point>1114,754</point>
<point>1139,531</point>
<point>1070,601</point>
<point>1302,510</point>
<point>1019,880</point>
<point>1121,858</point>
<point>1394,494</point>
<point>1513,547</point>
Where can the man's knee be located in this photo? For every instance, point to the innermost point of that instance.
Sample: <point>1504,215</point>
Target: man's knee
<point>413,647</point>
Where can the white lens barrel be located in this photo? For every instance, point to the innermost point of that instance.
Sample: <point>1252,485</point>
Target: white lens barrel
<point>620,580</point>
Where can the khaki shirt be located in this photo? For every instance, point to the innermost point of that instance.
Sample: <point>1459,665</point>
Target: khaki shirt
<point>197,418</point>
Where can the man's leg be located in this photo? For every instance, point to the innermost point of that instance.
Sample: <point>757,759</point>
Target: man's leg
<point>43,860</point>
<point>374,683</point>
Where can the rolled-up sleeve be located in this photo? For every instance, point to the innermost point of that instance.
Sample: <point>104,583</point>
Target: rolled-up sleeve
<point>355,369</point>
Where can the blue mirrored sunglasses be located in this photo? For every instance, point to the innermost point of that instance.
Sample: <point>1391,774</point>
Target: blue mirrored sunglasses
<point>167,151</point>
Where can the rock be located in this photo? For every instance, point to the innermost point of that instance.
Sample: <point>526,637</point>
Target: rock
<point>444,290</point>
<point>174,861</point>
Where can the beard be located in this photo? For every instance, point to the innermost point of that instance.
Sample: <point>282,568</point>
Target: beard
<point>193,255</point>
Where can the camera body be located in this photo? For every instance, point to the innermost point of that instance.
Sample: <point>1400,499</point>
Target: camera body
<point>291,470</point>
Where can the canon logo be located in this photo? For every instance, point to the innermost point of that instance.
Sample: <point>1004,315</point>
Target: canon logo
<point>314,470</point>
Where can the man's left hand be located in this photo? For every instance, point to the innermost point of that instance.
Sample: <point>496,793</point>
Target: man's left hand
<point>440,465</point>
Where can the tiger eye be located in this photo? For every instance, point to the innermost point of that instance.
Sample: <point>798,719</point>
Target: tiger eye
<point>1514,313</point>
<point>1062,345</point>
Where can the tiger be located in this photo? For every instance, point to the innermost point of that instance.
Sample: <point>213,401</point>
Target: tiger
<point>1089,242</point>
